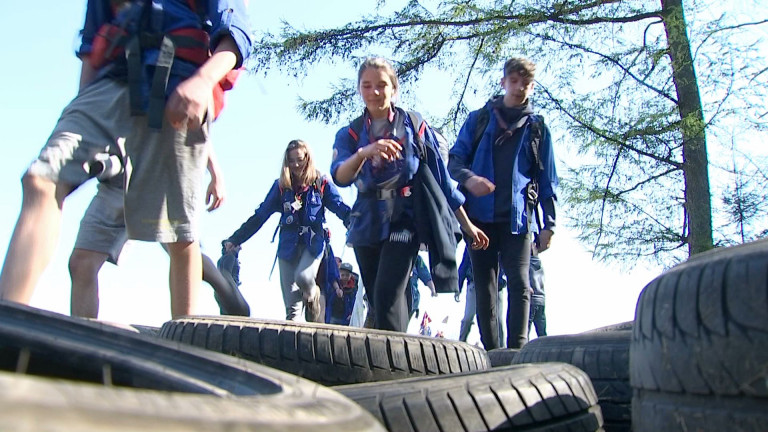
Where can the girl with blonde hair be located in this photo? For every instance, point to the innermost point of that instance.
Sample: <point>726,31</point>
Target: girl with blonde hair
<point>300,194</point>
<point>382,152</point>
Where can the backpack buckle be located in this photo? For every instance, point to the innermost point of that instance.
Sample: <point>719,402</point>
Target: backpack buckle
<point>386,194</point>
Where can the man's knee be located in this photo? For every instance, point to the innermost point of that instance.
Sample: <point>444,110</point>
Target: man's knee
<point>85,264</point>
<point>37,188</point>
<point>183,249</point>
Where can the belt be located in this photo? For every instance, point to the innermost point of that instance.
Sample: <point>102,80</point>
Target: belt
<point>388,193</point>
<point>304,229</point>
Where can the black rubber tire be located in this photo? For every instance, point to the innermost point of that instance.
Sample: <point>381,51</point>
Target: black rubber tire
<point>74,374</point>
<point>543,397</point>
<point>698,349</point>
<point>147,330</point>
<point>502,356</point>
<point>328,354</point>
<point>604,356</point>
<point>626,325</point>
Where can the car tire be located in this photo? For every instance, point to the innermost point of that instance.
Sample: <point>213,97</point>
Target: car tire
<point>328,354</point>
<point>62,373</point>
<point>698,352</point>
<point>604,356</point>
<point>542,397</point>
<point>502,356</point>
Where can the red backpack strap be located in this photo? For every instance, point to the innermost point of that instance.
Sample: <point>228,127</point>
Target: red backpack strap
<point>356,128</point>
<point>320,183</point>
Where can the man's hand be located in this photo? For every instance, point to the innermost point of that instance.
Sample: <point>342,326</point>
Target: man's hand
<point>188,103</point>
<point>545,239</point>
<point>214,196</point>
<point>456,297</point>
<point>479,186</point>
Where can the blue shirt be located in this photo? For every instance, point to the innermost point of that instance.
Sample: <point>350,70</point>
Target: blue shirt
<point>482,208</point>
<point>370,225</point>
<point>294,238</point>
<point>226,17</point>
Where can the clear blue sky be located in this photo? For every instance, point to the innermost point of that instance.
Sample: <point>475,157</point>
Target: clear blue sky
<point>40,76</point>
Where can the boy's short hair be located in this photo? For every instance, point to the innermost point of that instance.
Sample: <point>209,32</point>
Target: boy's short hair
<point>522,66</point>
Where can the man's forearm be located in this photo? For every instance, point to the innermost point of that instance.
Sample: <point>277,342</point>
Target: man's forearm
<point>221,61</point>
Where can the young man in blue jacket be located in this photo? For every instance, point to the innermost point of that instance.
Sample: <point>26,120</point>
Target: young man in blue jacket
<point>502,173</point>
<point>149,71</point>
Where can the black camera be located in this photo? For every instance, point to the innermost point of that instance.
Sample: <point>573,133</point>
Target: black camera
<point>105,166</point>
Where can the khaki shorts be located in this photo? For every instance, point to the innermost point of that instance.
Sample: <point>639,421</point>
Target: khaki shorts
<point>164,179</point>
<point>164,169</point>
<point>92,122</point>
<point>102,228</point>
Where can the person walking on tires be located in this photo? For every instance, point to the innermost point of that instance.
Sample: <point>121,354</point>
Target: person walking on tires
<point>382,152</point>
<point>503,160</point>
<point>102,235</point>
<point>301,195</point>
<point>149,73</point>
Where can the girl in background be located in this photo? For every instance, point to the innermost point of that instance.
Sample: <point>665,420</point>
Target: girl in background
<point>301,195</point>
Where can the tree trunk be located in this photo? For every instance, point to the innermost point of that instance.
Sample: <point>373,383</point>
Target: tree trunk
<point>697,195</point>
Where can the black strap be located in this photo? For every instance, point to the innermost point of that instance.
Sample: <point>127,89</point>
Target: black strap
<point>482,123</point>
<point>416,120</point>
<point>133,61</point>
<point>155,111</point>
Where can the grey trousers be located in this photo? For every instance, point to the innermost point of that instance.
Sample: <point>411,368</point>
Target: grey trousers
<point>296,278</point>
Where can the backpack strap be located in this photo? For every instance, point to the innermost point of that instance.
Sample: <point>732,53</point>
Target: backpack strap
<point>356,128</point>
<point>320,183</point>
<point>536,134</point>
<point>532,208</point>
<point>483,118</point>
<point>419,129</point>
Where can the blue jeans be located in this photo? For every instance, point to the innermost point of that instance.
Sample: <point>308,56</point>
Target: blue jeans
<point>537,316</point>
<point>469,315</point>
<point>539,319</point>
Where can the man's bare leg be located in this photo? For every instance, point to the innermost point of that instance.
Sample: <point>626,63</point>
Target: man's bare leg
<point>84,266</point>
<point>186,274</point>
<point>34,238</point>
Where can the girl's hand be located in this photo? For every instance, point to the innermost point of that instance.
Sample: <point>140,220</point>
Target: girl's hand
<point>387,149</point>
<point>479,239</point>
<point>229,246</point>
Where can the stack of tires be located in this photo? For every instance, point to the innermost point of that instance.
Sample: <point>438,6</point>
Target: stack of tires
<point>699,355</point>
<point>59,373</point>
<point>407,382</point>
<point>694,358</point>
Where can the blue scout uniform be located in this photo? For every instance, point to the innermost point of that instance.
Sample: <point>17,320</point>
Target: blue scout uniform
<point>370,222</point>
<point>302,216</point>
<point>482,208</point>
<point>224,17</point>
